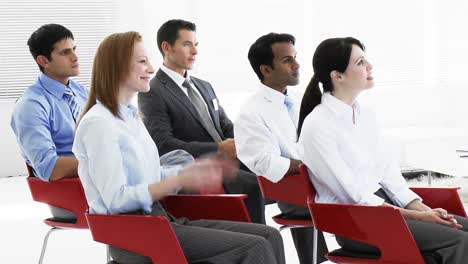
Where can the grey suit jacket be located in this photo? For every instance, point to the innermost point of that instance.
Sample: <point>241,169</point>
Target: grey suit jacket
<point>173,122</point>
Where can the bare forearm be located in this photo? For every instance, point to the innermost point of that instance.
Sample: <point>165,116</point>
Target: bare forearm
<point>412,210</point>
<point>417,205</point>
<point>166,187</point>
<point>66,167</point>
<point>294,166</point>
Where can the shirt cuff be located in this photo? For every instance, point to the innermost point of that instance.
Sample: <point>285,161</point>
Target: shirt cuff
<point>45,168</point>
<point>144,196</point>
<point>405,196</point>
<point>278,169</point>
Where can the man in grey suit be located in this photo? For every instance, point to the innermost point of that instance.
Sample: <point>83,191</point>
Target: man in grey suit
<point>182,112</point>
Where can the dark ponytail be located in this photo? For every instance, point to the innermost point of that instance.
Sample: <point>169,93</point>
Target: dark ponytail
<point>312,97</point>
<point>331,55</point>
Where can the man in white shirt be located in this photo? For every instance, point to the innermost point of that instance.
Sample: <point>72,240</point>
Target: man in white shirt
<point>266,129</point>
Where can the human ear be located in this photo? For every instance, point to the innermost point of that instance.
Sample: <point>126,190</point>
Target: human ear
<point>336,75</point>
<point>265,70</point>
<point>165,46</point>
<point>42,60</point>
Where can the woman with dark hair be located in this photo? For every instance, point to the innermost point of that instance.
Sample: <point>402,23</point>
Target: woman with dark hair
<point>347,160</point>
<point>120,170</point>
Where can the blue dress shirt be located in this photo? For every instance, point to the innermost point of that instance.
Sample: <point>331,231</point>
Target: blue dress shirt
<point>43,123</point>
<point>118,159</point>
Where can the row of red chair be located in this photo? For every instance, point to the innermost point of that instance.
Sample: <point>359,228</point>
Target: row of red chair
<point>153,236</point>
<point>358,222</point>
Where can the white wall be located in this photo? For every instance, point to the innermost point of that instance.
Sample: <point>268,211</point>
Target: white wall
<point>11,162</point>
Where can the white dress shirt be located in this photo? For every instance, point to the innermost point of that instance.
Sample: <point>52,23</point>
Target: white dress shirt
<point>117,161</point>
<point>265,134</point>
<point>347,161</point>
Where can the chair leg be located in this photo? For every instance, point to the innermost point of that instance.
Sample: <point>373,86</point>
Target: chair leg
<point>314,250</point>
<point>44,244</point>
<point>315,239</point>
<point>108,253</point>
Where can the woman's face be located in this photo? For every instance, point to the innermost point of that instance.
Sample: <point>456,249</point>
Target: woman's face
<point>140,70</point>
<point>358,74</point>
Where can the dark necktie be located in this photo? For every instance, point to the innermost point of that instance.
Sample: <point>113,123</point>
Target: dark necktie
<point>199,105</point>
<point>74,106</point>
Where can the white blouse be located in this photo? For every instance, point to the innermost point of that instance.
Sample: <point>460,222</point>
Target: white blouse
<point>348,161</point>
<point>117,161</point>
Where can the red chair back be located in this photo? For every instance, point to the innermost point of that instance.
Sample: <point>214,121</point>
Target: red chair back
<point>229,207</point>
<point>151,236</point>
<point>293,189</point>
<point>383,227</point>
<point>442,197</point>
<point>65,193</point>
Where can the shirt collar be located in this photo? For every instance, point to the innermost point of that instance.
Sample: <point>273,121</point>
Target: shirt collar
<point>339,107</point>
<point>128,111</point>
<point>54,87</point>
<point>271,94</point>
<point>176,77</point>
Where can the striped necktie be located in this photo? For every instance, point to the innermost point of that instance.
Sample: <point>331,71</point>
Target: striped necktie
<point>75,108</point>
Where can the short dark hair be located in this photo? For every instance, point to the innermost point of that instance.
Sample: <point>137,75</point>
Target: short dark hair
<point>261,53</point>
<point>169,31</point>
<point>42,41</point>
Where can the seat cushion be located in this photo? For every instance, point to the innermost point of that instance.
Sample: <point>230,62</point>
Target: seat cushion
<point>353,254</point>
<point>429,257</point>
<point>62,220</point>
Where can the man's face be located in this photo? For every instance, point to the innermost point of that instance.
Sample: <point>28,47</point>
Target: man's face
<point>63,61</point>
<point>182,55</point>
<point>285,70</point>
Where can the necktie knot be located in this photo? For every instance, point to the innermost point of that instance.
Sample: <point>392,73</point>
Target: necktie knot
<point>186,84</point>
<point>68,92</point>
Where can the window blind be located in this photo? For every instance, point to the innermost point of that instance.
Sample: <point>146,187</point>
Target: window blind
<point>89,21</point>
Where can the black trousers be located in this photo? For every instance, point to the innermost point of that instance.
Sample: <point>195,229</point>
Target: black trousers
<point>303,237</point>
<point>437,243</point>
<point>217,242</point>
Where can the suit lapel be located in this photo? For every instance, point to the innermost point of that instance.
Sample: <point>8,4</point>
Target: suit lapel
<point>177,92</point>
<point>214,115</point>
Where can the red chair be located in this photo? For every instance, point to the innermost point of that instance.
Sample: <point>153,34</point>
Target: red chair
<point>443,197</point>
<point>66,194</point>
<point>364,223</point>
<point>229,207</point>
<point>152,236</point>
<point>294,189</point>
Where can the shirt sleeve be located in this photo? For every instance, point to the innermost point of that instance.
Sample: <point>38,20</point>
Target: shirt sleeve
<point>257,147</point>
<point>392,181</point>
<point>100,143</point>
<point>30,123</point>
<point>330,173</point>
<point>172,162</point>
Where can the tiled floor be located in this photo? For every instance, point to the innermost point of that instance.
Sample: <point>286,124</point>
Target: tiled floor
<point>22,232</point>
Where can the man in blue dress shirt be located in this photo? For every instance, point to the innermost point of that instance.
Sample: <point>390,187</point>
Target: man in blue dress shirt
<point>45,116</point>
